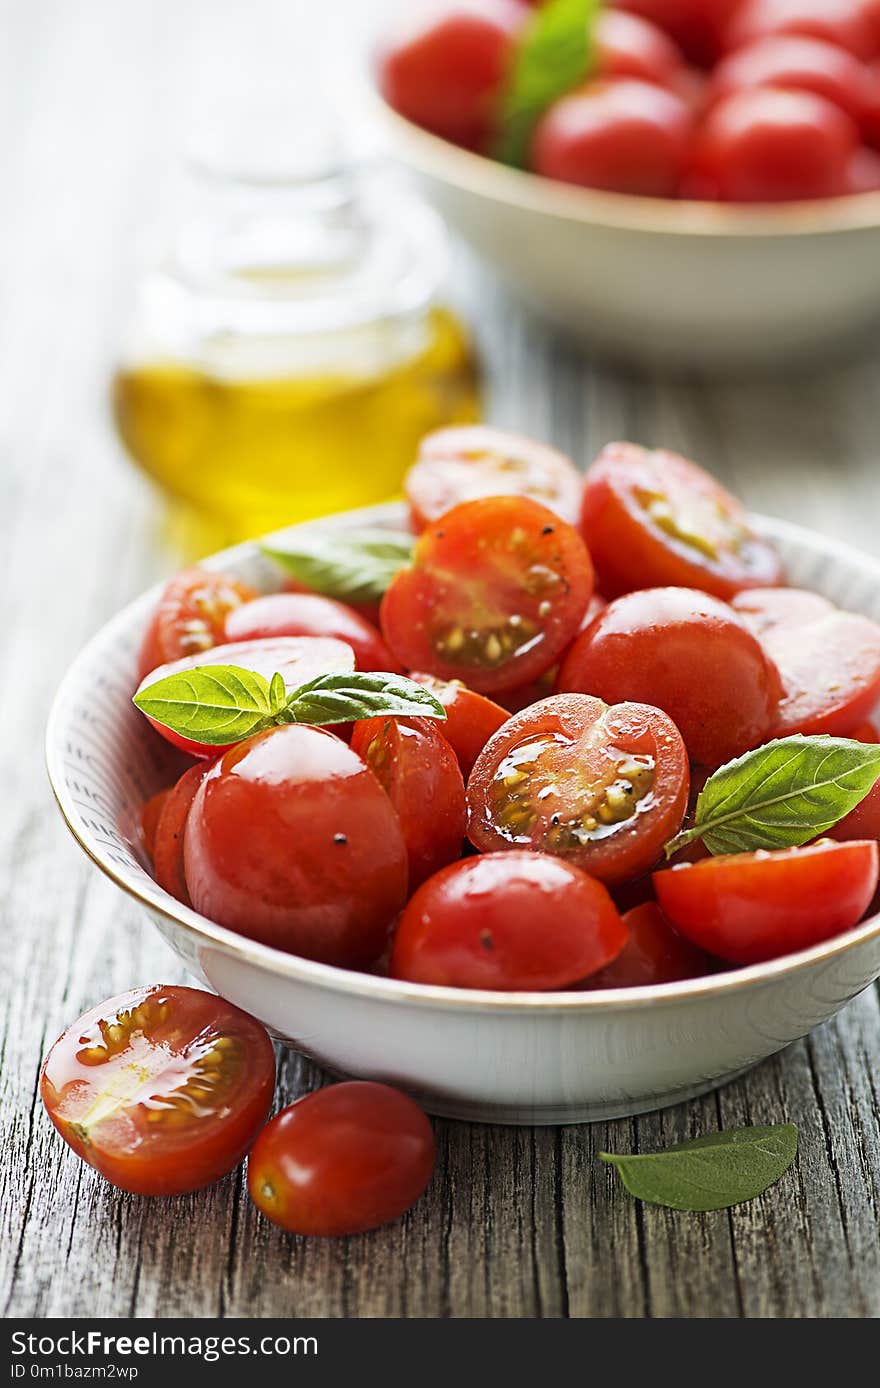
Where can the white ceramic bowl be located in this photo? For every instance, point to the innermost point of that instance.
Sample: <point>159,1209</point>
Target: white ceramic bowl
<point>655,281</point>
<point>508,1058</point>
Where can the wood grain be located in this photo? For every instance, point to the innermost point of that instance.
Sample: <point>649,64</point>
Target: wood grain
<point>517,1223</point>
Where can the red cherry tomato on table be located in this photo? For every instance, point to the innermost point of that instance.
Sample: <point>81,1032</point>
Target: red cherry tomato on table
<point>628,46</point>
<point>307,614</point>
<point>168,868</point>
<point>846,23</point>
<point>604,788</point>
<point>652,518</point>
<point>292,841</point>
<point>749,907</point>
<point>798,64</point>
<point>342,1160</point>
<point>416,765</point>
<point>507,921</point>
<point>190,616</point>
<point>473,461</point>
<point>162,1089</point>
<point>618,135</point>
<point>471,718</point>
<point>496,590</point>
<point>684,652</point>
<point>698,26</point>
<point>654,953</point>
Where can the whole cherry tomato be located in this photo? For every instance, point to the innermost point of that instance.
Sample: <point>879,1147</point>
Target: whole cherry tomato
<point>150,818</point>
<point>847,23</point>
<point>307,614</point>
<point>190,616</point>
<point>471,461</point>
<point>654,953</point>
<point>615,134</point>
<point>687,653</point>
<point>652,518</point>
<point>344,1159</point>
<point>628,46</point>
<point>799,64</point>
<point>292,841</point>
<point>698,26</point>
<point>416,765</point>
<point>604,788</point>
<point>496,590</point>
<point>162,1089</point>
<point>749,907</point>
<point>170,828</point>
<point>523,922</point>
<point>471,718</point>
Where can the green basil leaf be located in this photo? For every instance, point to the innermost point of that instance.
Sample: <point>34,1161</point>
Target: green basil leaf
<point>346,698</point>
<point>215,704</point>
<point>351,565</point>
<point>554,55</point>
<point>782,794</point>
<point>710,1173</point>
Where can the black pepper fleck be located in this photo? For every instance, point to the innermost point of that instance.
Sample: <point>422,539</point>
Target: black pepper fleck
<point>340,838</point>
<point>548,530</point>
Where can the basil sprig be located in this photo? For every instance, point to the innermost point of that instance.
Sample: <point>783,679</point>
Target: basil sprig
<point>781,795</point>
<point>350,565</point>
<point>710,1173</point>
<point>222,704</point>
<point>555,54</point>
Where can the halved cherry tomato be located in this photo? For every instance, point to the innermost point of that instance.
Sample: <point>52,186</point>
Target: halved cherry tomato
<point>652,518</point>
<point>190,616</point>
<point>604,788</point>
<point>170,828</point>
<point>654,953</point>
<point>473,461</point>
<point>471,718</point>
<point>515,700</point>
<point>292,841</point>
<point>150,818</point>
<point>626,45</point>
<point>797,63</point>
<point>830,669</point>
<point>748,907</point>
<point>342,1160</point>
<point>162,1089</point>
<point>297,659</point>
<point>496,590</point>
<point>761,608</point>
<point>416,765</point>
<point>698,26</point>
<point>865,732</point>
<point>846,23</point>
<point>507,921</point>
<point>307,614</point>
<point>685,652</point>
<point>864,821</point>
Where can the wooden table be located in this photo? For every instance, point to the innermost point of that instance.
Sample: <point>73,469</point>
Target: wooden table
<point>518,1222</point>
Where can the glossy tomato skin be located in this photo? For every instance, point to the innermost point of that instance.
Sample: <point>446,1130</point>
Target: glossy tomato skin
<point>496,590</point>
<point>750,907</point>
<point>864,821</point>
<point>795,63</point>
<point>687,653</point>
<point>308,614</point>
<point>297,658</point>
<point>616,134</point>
<point>185,1081</point>
<point>697,26</point>
<point>292,841</point>
<point>467,462</point>
<point>603,788</point>
<point>654,953</point>
<point>168,868</point>
<point>471,718</point>
<point>830,671</point>
<point>342,1160</point>
<point>652,519</point>
<point>629,46</point>
<point>445,68</point>
<point>189,616</point>
<point>846,23</point>
<point>417,767</point>
<point>149,819</point>
<point>521,922</point>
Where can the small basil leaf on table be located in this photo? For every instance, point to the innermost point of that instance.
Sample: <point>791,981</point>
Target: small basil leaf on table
<point>554,56</point>
<point>214,704</point>
<point>710,1173</point>
<point>345,698</point>
<point>349,565</point>
<point>781,795</point>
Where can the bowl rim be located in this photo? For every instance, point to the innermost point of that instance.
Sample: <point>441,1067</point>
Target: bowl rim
<point>490,180</point>
<point>206,932</point>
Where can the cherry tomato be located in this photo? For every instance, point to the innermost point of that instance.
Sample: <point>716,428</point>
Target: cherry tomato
<point>150,818</point>
<point>749,907</point>
<point>190,616</point>
<point>170,828</point>
<point>684,652</point>
<point>871,117</point>
<point>846,23</point>
<point>628,46</point>
<point>654,953</point>
<point>652,518</point>
<point>292,841</point>
<point>798,64</point>
<point>762,608</point>
<point>865,732</point>
<point>863,172</point>
<point>307,614</point>
<point>766,145</point>
<point>162,1089</point>
<point>297,658</point>
<point>473,461</point>
<point>342,1160</point>
<point>523,922</point>
<point>620,135</point>
<point>444,70</point>
<point>496,591</point>
<point>830,671</point>
<point>416,765</point>
<point>471,718</point>
<point>604,788</point>
<point>864,821</point>
<point>698,26</point>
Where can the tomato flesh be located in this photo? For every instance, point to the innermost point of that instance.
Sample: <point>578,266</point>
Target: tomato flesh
<point>342,1160</point>
<point>654,953</point>
<point>471,718</point>
<point>308,615</point>
<point>190,616</point>
<point>507,921</point>
<point>604,788</point>
<point>162,1089</point>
